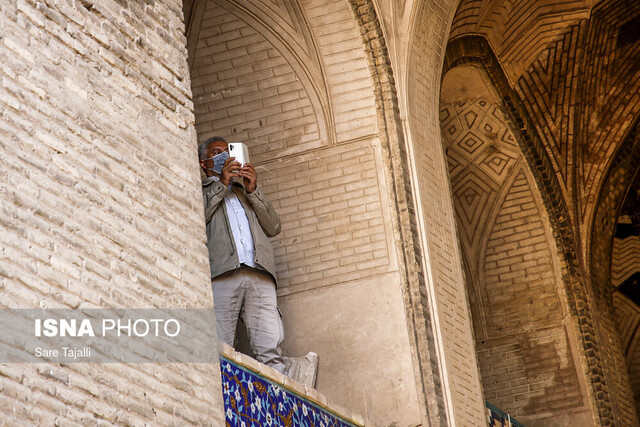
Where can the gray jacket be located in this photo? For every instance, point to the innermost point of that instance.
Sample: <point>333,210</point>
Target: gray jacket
<point>264,222</point>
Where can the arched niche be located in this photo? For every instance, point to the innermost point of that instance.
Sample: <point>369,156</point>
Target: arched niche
<point>529,363</point>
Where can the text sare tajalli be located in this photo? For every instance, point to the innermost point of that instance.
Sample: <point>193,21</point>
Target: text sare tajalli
<point>81,328</point>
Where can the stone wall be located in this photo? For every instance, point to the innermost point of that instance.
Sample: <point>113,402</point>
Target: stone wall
<point>101,202</point>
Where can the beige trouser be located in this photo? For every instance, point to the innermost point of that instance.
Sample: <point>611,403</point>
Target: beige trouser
<point>252,294</point>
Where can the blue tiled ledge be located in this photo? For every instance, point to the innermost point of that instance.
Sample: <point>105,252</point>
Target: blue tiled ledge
<point>252,399</point>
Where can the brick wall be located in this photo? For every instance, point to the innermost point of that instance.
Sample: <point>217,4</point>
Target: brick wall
<point>244,88</point>
<point>100,199</point>
<point>347,72</point>
<point>526,362</point>
<point>333,221</point>
<point>328,194</point>
<point>303,102</point>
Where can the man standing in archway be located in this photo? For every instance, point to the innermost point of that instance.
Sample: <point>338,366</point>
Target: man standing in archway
<point>239,220</point>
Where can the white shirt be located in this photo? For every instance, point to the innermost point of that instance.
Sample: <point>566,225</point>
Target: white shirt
<point>239,224</point>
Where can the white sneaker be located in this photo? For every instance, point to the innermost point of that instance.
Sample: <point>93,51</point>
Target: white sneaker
<point>302,369</point>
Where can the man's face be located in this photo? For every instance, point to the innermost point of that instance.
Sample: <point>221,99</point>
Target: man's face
<point>214,148</point>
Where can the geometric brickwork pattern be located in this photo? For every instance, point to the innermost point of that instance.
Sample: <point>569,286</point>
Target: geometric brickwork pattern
<point>576,74</point>
<point>481,152</point>
<point>514,291</point>
<point>612,85</point>
<point>582,96</point>
<point>518,29</point>
<point>526,362</point>
<point>627,315</point>
<point>572,69</point>
<point>594,66</point>
<point>625,260</point>
<point>576,54</point>
<point>549,93</point>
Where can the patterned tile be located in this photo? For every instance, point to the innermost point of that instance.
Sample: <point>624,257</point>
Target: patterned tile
<point>252,400</point>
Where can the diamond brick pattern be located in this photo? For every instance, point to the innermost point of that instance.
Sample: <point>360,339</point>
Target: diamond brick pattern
<point>479,161</point>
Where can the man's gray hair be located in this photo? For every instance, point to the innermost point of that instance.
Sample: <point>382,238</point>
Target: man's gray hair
<point>202,148</point>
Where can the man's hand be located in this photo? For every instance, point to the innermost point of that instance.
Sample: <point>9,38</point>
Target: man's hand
<point>250,177</point>
<point>230,170</point>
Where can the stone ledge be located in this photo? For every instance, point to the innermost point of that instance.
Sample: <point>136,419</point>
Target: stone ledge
<point>293,387</point>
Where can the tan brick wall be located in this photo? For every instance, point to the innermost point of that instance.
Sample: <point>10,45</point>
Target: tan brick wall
<point>100,200</point>
<point>333,222</point>
<point>328,195</point>
<point>245,89</point>
<point>526,361</point>
<point>347,73</point>
<point>518,264</point>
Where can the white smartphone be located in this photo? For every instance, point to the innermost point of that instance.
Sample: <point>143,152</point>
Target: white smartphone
<point>240,151</point>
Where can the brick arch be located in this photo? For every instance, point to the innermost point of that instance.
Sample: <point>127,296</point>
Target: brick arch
<point>476,50</point>
<point>393,142</point>
<point>436,299</point>
<point>287,35</point>
<point>513,276</point>
<point>324,227</point>
<point>518,30</point>
<point>621,172</point>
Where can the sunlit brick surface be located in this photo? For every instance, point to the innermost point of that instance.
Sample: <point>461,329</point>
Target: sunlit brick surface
<point>100,200</point>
